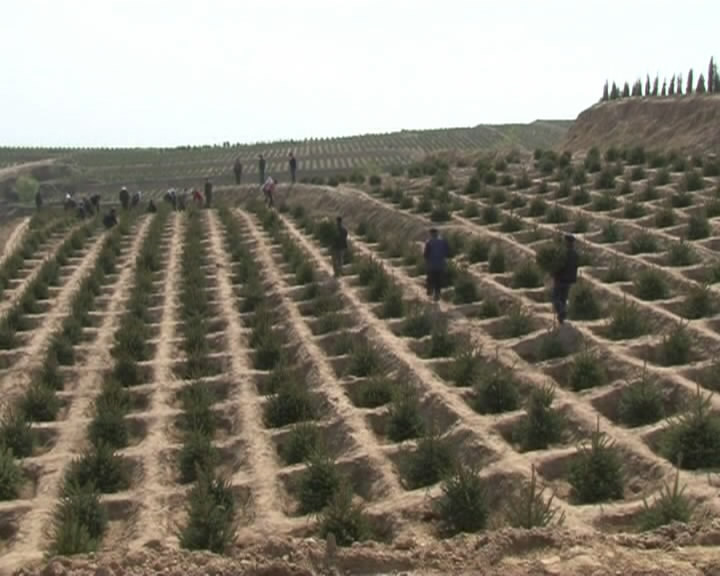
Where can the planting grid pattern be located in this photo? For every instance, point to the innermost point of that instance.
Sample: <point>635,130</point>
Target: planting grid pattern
<point>356,437</point>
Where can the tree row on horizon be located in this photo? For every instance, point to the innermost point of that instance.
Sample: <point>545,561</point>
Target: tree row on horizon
<point>673,88</point>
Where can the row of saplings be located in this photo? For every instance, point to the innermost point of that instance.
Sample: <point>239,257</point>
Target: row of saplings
<point>40,402</point>
<point>80,519</point>
<point>596,474</point>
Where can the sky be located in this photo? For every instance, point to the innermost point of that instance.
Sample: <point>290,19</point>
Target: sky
<point>178,72</point>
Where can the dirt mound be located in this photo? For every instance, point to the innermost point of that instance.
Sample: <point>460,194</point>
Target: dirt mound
<point>676,549</point>
<point>684,123</point>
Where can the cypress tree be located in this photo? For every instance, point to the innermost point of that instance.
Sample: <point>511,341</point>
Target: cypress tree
<point>711,75</point>
<point>664,88</point>
<point>716,78</point>
<point>637,88</point>
<point>626,90</point>
<point>689,87</point>
<point>700,85</point>
<point>671,89</point>
<point>647,85</point>
<point>679,85</point>
<point>606,93</point>
<point>656,86</point>
<point>614,92</point>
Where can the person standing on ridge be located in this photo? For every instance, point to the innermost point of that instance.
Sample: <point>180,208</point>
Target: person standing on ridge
<point>339,247</point>
<point>261,168</point>
<point>208,192</point>
<point>237,169</point>
<point>124,198</point>
<point>293,166</point>
<point>564,278</point>
<point>436,254</point>
<point>38,199</point>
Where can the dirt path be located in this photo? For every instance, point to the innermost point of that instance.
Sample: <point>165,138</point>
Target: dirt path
<point>72,431</point>
<point>15,380</point>
<point>260,452</point>
<point>153,521</point>
<point>332,389</point>
<point>11,241</point>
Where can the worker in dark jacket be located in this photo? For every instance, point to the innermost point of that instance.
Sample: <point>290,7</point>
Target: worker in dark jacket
<point>124,198</point>
<point>208,192</point>
<point>38,199</point>
<point>261,168</point>
<point>110,219</point>
<point>564,278</point>
<point>293,167</point>
<point>237,169</point>
<point>339,247</point>
<point>436,253</point>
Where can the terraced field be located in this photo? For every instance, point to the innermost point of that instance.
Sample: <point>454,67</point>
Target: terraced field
<point>200,380</point>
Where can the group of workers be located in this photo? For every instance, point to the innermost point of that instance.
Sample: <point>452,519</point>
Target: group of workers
<point>262,164</point>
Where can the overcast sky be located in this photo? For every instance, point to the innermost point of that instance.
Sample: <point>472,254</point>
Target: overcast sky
<point>171,72</point>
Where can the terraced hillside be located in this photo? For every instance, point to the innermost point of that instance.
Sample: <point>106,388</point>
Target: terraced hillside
<point>200,380</point>
<point>108,169</point>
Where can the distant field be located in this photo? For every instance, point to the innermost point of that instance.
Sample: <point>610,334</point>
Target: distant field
<point>150,168</point>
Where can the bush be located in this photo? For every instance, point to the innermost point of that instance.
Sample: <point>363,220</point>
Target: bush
<point>643,243</point>
<point>466,367</point>
<point>465,289</point>
<point>496,260</point>
<point>633,210</point>
<point>318,484</point>
<point>442,343</point>
<point>16,434</point>
<point>471,210</point>
<point>490,214</point>
<point>79,521</point>
<point>40,404</point>
<point>364,358</point>
<point>108,425</point>
<point>210,510</point>
<point>580,225</point>
<point>662,177</point>
<point>693,438</point>
<point>343,519</point>
<point>11,476</point>
<point>605,180</point>
<point>676,346</point>
<point>393,305</point>
<point>698,303</point>
<point>641,402</point>
<point>610,233</point>
<point>527,507</point>
<point>429,463</point>
<point>681,254</point>
<point>418,322</point>
<point>496,390</point>
<point>518,322</point>
<point>671,505</point>
<point>583,304</point>
<point>580,196</point>
<point>698,226</point>
<point>650,284</point>
<point>550,258</point>
<point>478,250</point>
<point>542,425</point>
<point>538,206</point>
<point>527,275</point>
<point>196,455</point>
<point>604,202</point>
<point>375,180</point>
<point>596,474</point>
<point>665,217</point>
<point>303,441</point>
<point>374,392</point>
<point>462,505</point>
<point>681,199</point>
<point>101,468</point>
<point>627,321</point>
<point>587,371</point>
<point>405,421</point>
<point>511,223</point>
<point>693,181</point>
<point>292,403</point>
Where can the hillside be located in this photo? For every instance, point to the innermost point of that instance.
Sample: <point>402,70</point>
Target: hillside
<point>160,167</point>
<point>686,124</point>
